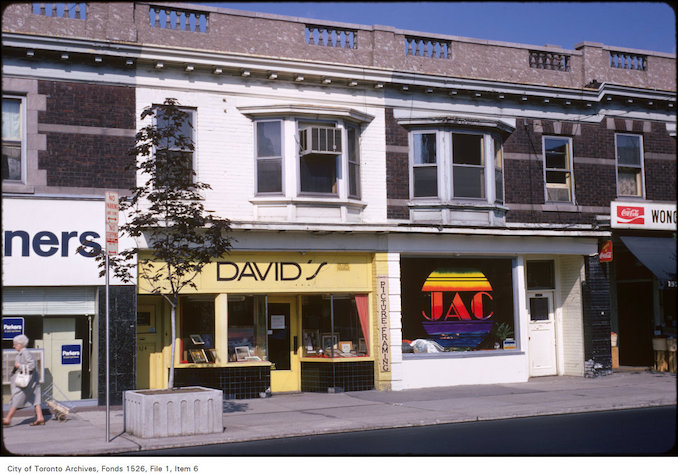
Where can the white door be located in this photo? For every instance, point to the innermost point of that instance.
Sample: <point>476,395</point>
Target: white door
<point>63,358</point>
<point>541,334</point>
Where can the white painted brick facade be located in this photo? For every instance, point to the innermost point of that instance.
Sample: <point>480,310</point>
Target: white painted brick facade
<point>224,140</point>
<point>571,339</point>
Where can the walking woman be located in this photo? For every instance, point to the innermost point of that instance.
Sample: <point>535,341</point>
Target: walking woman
<point>31,393</point>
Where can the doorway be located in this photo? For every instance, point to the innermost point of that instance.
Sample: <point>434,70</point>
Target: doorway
<point>541,334</point>
<point>283,344</point>
<point>635,311</point>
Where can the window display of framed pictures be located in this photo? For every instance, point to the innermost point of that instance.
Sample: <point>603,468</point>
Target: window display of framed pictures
<point>242,353</point>
<point>330,342</point>
<point>198,356</point>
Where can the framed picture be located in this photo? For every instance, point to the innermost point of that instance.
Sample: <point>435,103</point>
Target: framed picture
<point>198,356</point>
<point>330,341</point>
<point>242,353</point>
<point>345,346</point>
<point>212,355</point>
<point>252,358</point>
<point>197,340</point>
<point>362,346</point>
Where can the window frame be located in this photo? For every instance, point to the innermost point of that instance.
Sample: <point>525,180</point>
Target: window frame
<point>641,166</point>
<point>340,182</point>
<point>22,139</point>
<point>569,170</point>
<point>193,111</point>
<point>497,139</point>
<point>355,162</point>
<point>437,165</point>
<point>281,121</point>
<point>482,166</point>
<point>445,164</point>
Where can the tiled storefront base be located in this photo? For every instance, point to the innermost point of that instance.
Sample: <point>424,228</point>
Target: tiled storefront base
<point>342,376</point>
<point>236,382</point>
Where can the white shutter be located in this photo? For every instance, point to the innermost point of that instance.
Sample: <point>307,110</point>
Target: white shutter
<point>49,300</point>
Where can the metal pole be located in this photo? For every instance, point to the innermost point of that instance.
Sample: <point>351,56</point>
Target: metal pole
<point>108,362</point>
<point>334,382</point>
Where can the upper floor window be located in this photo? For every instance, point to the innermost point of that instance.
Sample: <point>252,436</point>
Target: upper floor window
<point>629,153</point>
<point>319,150</point>
<point>268,152</point>
<point>12,138</point>
<point>353,151</point>
<point>424,164</point>
<point>558,168</point>
<point>327,157</point>
<point>456,165</point>
<point>175,150</point>
<point>468,166</point>
<point>498,170</point>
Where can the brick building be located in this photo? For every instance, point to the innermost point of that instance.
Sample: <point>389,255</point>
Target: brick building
<point>449,236</point>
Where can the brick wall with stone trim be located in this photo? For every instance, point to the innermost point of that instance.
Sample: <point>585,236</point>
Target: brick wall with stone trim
<point>92,130</point>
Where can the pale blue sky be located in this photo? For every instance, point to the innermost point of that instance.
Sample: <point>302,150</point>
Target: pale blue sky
<point>641,25</point>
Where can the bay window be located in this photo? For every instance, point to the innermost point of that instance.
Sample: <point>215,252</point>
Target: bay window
<point>456,165</point>
<point>269,152</point>
<point>424,164</point>
<point>468,167</point>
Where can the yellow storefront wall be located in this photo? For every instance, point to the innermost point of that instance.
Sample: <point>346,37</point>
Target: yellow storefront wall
<point>290,273</point>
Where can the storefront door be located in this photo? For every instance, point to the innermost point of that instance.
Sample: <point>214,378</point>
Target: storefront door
<point>283,344</point>
<point>63,358</point>
<point>541,334</point>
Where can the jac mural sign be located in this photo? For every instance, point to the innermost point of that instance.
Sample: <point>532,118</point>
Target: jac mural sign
<point>456,303</point>
<point>52,241</point>
<point>642,215</point>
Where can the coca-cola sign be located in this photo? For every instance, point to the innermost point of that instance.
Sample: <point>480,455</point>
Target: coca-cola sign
<point>631,214</point>
<point>643,215</point>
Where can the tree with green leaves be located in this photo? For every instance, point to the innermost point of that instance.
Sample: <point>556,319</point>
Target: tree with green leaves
<point>166,211</point>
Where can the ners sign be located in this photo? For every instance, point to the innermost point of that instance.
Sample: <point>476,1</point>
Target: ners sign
<point>462,305</point>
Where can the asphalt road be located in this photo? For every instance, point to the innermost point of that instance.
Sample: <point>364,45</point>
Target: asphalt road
<point>650,431</point>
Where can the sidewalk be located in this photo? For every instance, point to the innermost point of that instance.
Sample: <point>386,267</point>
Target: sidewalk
<point>315,413</point>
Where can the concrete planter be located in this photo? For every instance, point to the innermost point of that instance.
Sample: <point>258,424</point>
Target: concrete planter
<point>167,413</point>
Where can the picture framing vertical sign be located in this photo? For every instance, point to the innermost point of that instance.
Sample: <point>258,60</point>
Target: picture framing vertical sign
<point>112,213</point>
<point>383,324</point>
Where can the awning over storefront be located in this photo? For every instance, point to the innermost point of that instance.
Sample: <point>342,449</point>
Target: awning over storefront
<point>658,254</point>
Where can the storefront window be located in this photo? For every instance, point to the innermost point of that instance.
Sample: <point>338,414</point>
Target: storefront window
<point>197,329</point>
<point>456,304</point>
<point>335,326</point>
<point>247,328</point>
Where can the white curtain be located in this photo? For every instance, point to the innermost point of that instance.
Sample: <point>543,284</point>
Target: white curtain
<point>11,119</point>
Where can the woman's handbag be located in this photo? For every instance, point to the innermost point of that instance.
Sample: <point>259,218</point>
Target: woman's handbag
<point>23,377</point>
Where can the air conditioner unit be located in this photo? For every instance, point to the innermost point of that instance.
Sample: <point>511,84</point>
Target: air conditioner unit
<point>320,141</point>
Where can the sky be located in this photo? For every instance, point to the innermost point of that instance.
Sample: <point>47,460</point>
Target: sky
<point>640,25</point>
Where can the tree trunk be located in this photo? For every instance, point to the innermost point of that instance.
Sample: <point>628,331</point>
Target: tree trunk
<point>173,313</point>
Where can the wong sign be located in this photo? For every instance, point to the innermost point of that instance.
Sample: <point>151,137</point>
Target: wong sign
<point>643,215</point>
